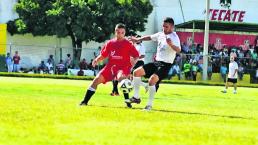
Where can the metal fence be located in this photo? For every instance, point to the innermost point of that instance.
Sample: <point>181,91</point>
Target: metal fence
<point>32,55</point>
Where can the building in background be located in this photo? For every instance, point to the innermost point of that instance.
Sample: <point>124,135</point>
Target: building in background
<point>34,49</point>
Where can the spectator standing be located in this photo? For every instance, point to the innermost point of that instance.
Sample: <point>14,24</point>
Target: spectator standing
<point>9,62</point>
<point>232,75</point>
<point>16,62</point>
<point>223,72</point>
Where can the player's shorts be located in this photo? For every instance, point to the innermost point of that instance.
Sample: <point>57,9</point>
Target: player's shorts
<point>110,72</point>
<point>232,80</point>
<point>138,64</point>
<point>159,68</point>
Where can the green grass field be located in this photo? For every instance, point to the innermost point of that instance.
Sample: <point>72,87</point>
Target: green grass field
<point>45,111</point>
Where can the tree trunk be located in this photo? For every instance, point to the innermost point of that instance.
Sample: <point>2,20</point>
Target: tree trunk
<point>77,47</point>
<point>77,53</point>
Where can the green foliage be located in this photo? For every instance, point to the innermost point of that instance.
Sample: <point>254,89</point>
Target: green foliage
<point>37,111</point>
<point>82,20</point>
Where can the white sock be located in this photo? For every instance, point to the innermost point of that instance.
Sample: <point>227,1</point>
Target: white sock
<point>136,86</point>
<point>152,92</point>
<point>91,89</point>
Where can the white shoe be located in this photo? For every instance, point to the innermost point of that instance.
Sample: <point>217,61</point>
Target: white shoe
<point>224,91</point>
<point>234,92</point>
<point>147,108</point>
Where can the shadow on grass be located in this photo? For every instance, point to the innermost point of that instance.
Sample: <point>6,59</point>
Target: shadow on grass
<point>180,112</point>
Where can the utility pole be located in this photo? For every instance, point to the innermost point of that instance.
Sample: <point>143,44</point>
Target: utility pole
<point>206,41</point>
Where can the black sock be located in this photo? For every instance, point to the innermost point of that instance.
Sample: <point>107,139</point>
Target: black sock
<point>88,95</point>
<point>126,96</point>
<point>115,84</point>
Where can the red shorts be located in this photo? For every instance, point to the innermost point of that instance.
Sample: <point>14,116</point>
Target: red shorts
<point>110,72</point>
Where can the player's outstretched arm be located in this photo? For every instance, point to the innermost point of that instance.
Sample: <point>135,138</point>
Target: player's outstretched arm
<point>144,38</point>
<point>97,59</point>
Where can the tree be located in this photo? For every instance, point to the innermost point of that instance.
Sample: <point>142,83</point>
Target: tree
<point>81,20</point>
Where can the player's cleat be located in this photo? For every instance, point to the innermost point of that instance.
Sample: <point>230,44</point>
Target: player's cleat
<point>234,92</point>
<point>129,105</point>
<point>148,108</point>
<point>114,94</point>
<point>135,100</point>
<point>83,103</point>
<point>224,91</point>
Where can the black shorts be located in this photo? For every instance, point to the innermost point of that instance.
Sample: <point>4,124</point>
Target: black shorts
<point>159,68</point>
<point>138,64</point>
<point>232,80</point>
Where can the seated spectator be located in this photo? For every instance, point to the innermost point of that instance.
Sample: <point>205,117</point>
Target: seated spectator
<point>174,70</point>
<point>80,72</point>
<point>42,67</point>
<point>49,66</point>
<point>256,75</point>
<point>194,70</point>
<point>90,65</point>
<point>240,72</point>
<point>83,64</point>
<point>187,70</point>
<point>223,72</point>
<point>209,71</point>
<point>60,68</point>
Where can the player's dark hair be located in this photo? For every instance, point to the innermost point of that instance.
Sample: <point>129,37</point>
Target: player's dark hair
<point>169,20</point>
<point>120,25</point>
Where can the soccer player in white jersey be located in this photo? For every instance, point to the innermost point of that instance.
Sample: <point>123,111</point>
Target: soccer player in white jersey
<point>168,45</point>
<point>232,75</point>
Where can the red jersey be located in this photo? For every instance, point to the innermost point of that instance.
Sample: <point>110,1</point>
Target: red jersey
<point>16,59</point>
<point>119,52</point>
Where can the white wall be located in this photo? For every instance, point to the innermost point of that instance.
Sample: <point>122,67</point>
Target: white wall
<point>35,49</point>
<point>192,9</point>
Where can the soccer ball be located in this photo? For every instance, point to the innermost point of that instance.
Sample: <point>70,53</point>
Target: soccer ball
<point>126,86</point>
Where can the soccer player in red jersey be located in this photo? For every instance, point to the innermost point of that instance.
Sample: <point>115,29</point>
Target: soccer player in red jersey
<point>118,51</point>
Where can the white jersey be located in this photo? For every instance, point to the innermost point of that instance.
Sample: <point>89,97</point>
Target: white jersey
<point>141,49</point>
<point>231,70</point>
<point>164,52</point>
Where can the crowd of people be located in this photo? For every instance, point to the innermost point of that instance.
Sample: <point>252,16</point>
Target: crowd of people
<point>190,61</point>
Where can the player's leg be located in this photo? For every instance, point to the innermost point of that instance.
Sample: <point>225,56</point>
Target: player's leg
<point>122,74</point>
<point>137,65</point>
<point>91,90</point>
<point>152,90</point>
<point>155,79</point>
<point>226,85</point>
<point>235,86</point>
<point>137,74</point>
<point>115,88</point>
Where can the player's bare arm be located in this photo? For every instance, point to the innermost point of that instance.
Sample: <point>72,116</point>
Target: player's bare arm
<point>171,44</point>
<point>136,40</point>
<point>235,72</point>
<point>97,59</point>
